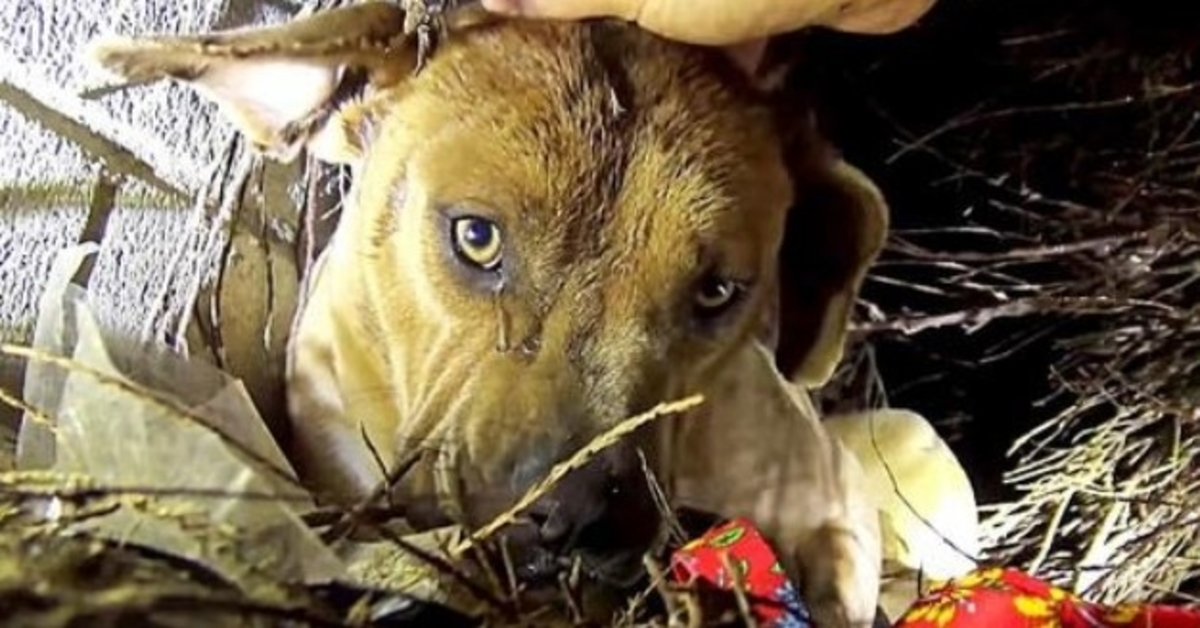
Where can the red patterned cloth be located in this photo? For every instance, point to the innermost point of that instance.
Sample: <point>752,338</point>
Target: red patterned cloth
<point>990,597</point>
<point>773,598</point>
<point>1006,597</point>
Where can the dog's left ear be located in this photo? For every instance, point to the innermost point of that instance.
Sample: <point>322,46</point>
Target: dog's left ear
<point>307,83</point>
<point>834,231</point>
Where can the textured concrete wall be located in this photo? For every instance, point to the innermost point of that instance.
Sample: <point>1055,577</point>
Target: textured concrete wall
<point>125,170</point>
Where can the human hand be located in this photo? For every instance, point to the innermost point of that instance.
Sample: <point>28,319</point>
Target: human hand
<point>740,26</point>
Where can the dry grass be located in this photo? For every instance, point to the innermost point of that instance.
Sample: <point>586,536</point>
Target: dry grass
<point>47,553</point>
<point>1043,160</point>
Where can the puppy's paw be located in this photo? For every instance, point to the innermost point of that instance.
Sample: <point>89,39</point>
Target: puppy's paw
<point>833,614</point>
<point>840,579</point>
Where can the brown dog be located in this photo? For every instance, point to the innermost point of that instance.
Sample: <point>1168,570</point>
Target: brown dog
<point>554,226</point>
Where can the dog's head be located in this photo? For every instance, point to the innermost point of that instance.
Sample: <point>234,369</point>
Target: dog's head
<point>552,226</point>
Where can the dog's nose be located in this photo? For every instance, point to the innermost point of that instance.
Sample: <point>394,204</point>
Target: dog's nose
<point>554,526</point>
<point>602,514</point>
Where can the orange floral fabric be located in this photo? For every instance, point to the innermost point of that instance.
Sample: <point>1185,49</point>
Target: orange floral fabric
<point>1007,598</point>
<point>993,597</point>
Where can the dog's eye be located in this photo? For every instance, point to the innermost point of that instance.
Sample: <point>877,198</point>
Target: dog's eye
<point>477,241</point>
<point>714,295</point>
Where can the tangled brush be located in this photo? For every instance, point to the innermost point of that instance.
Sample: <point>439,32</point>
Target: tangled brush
<point>1042,161</point>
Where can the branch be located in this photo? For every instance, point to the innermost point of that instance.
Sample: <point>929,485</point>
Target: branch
<point>114,157</point>
<point>974,319</point>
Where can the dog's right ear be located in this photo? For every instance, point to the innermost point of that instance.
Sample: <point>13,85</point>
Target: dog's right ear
<point>308,83</point>
<point>833,234</point>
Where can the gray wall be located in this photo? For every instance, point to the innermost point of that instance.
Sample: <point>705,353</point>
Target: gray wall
<point>129,170</point>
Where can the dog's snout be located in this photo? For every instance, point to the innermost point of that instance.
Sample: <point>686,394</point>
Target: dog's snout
<point>559,524</point>
<point>602,514</point>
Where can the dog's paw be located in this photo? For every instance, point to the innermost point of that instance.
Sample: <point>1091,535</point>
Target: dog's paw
<point>833,613</point>
<point>840,579</point>
<point>837,603</point>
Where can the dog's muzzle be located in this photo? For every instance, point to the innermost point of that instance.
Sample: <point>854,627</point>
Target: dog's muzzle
<point>602,514</point>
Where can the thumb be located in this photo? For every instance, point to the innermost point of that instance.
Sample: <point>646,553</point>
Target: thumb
<point>567,9</point>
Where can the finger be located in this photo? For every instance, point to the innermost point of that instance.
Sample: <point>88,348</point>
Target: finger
<point>704,22</point>
<point>712,22</point>
<point>566,9</point>
<point>880,17</point>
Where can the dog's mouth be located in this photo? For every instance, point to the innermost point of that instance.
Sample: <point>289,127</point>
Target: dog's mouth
<point>543,572</point>
<point>620,571</point>
<point>594,527</point>
<point>608,551</point>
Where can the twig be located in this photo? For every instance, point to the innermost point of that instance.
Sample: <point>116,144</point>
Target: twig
<point>1051,533</point>
<point>658,582</point>
<point>570,596</point>
<point>446,567</point>
<point>1098,245</point>
<point>975,318</point>
<point>101,492</point>
<point>661,502</point>
<point>31,412</point>
<point>739,590</point>
<point>968,120</point>
<point>114,157</point>
<point>356,516</point>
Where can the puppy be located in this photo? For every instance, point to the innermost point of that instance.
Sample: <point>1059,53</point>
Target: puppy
<point>552,227</point>
<point>929,520</point>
